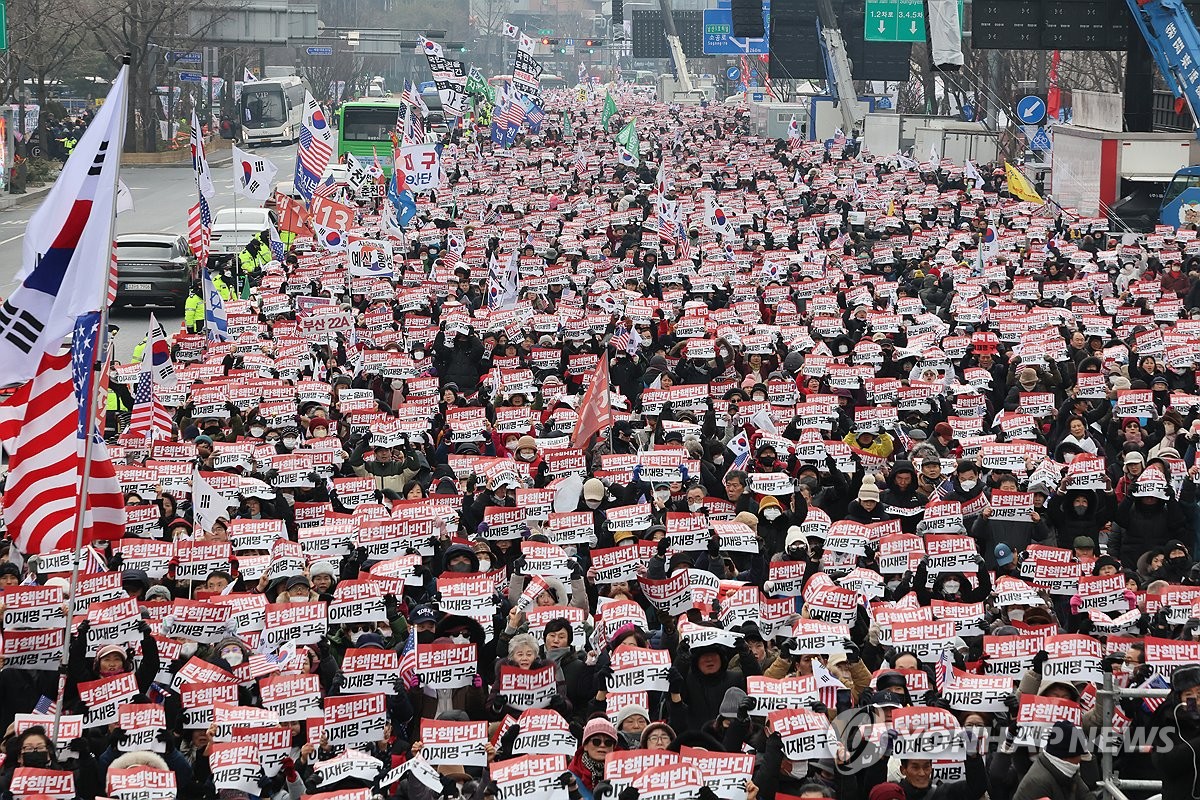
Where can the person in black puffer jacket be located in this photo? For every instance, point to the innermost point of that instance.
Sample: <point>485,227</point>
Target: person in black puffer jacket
<point>1146,523</point>
<point>459,360</point>
<point>1080,512</point>
<point>901,497</point>
<point>700,678</point>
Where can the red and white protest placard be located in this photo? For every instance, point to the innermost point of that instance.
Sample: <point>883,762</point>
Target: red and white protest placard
<point>295,623</point>
<point>1009,655</point>
<point>1072,657</point>
<point>103,698</point>
<point>454,743</point>
<point>369,669</point>
<point>544,731</point>
<point>1038,714</point>
<point>806,734</point>
<point>527,688</point>
<point>33,782</point>
<point>725,773</point>
<point>779,694</point>
<point>967,691</point>
<point>639,669</point>
<point>532,776</point>
<point>926,732</point>
<point>447,666</point>
<point>292,698</point>
<point>669,781</point>
<point>356,719</point>
<point>141,783</point>
<point>622,767</point>
<point>234,766</point>
<point>200,699</point>
<point>925,639</point>
<point>33,608</point>
<point>141,723</point>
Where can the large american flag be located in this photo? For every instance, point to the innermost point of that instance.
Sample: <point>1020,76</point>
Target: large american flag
<point>313,152</point>
<point>46,424</point>
<point>199,223</point>
<point>536,116</point>
<point>514,114</point>
<point>150,418</point>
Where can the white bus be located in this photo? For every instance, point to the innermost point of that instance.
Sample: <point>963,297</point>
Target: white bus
<point>271,110</point>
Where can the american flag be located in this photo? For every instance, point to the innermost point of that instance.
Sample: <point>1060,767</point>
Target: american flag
<point>943,673</point>
<point>1151,704</point>
<point>199,222</point>
<point>45,705</point>
<point>150,418</point>
<point>451,259</point>
<point>535,116</point>
<point>44,424</point>
<point>408,656</point>
<point>314,147</point>
<point>491,217</point>
<point>514,114</point>
<point>327,188</point>
<point>620,339</point>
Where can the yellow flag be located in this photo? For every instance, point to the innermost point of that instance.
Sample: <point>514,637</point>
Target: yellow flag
<point>1019,186</point>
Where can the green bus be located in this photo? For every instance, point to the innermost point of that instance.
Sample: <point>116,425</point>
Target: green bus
<point>365,129</point>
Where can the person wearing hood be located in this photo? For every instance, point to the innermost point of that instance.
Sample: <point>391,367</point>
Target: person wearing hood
<point>699,679</point>
<point>773,522</point>
<point>1179,720</point>
<point>1150,516</point>
<point>902,498</point>
<point>952,587</point>
<point>171,760</point>
<point>1079,512</point>
<point>429,702</point>
<point>460,558</point>
<point>879,444</point>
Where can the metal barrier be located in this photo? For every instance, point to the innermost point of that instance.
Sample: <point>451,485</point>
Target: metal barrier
<point>1112,785</point>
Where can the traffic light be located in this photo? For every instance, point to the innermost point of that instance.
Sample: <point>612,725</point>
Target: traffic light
<point>545,40</point>
<point>594,42</point>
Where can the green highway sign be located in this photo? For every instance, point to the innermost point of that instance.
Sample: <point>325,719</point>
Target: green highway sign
<point>546,32</point>
<point>3,24</point>
<point>897,20</point>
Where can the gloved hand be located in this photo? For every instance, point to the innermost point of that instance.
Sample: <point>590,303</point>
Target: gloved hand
<point>166,738</point>
<point>745,707</point>
<point>852,654</point>
<point>289,769</point>
<point>663,544</point>
<point>119,736</point>
<point>1038,661</point>
<point>630,792</point>
<point>676,682</point>
<point>477,681</point>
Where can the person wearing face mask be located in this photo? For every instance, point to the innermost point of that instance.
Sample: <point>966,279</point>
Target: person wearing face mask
<point>389,472</point>
<point>773,523</point>
<point>527,455</point>
<point>1080,512</point>
<point>964,486</point>
<point>1055,772</point>
<point>298,589</point>
<point>429,702</point>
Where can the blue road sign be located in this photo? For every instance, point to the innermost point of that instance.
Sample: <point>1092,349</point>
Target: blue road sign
<point>718,33</point>
<point>319,51</point>
<point>191,77</point>
<point>758,97</point>
<point>185,57</point>
<point>1040,140</point>
<point>1031,110</point>
<point>733,73</point>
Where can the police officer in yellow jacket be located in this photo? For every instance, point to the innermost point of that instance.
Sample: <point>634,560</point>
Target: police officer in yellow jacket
<point>255,256</point>
<point>221,287</point>
<point>139,350</point>
<point>193,310</point>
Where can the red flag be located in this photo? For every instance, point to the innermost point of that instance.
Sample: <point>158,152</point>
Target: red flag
<point>595,410</point>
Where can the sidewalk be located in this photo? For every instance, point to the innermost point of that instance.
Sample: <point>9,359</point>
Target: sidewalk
<point>32,194</point>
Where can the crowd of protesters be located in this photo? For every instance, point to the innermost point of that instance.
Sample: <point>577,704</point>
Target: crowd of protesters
<point>788,470</point>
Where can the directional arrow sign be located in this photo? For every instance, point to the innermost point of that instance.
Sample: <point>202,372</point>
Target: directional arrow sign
<point>191,77</point>
<point>897,20</point>
<point>719,39</point>
<point>319,51</point>
<point>1031,110</point>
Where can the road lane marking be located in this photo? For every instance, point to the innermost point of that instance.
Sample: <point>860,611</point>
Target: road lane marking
<point>12,239</point>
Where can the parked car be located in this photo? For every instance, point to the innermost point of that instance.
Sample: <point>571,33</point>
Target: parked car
<point>233,228</point>
<point>154,269</point>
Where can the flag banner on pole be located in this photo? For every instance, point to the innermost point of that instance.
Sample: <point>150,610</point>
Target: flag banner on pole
<point>216,323</point>
<point>39,429</point>
<point>67,251</point>
<point>314,148</point>
<point>199,161</point>
<point>157,358</point>
<point>253,175</point>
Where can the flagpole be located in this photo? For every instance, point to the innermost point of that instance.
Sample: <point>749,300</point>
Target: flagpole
<point>89,432</point>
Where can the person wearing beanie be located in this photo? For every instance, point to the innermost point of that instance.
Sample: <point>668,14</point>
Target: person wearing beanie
<point>656,736</point>
<point>1055,772</point>
<point>773,522</point>
<point>866,508</point>
<point>887,791</point>
<point>630,721</point>
<point>599,740</point>
<point>943,439</point>
<point>323,576</point>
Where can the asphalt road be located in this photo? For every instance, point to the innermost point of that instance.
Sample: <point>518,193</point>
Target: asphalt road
<point>161,198</point>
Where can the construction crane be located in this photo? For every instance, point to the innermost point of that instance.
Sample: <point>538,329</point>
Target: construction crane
<point>681,67</point>
<point>837,67</point>
<point>1171,35</point>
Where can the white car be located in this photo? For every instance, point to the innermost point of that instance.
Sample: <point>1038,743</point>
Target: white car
<point>233,228</point>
